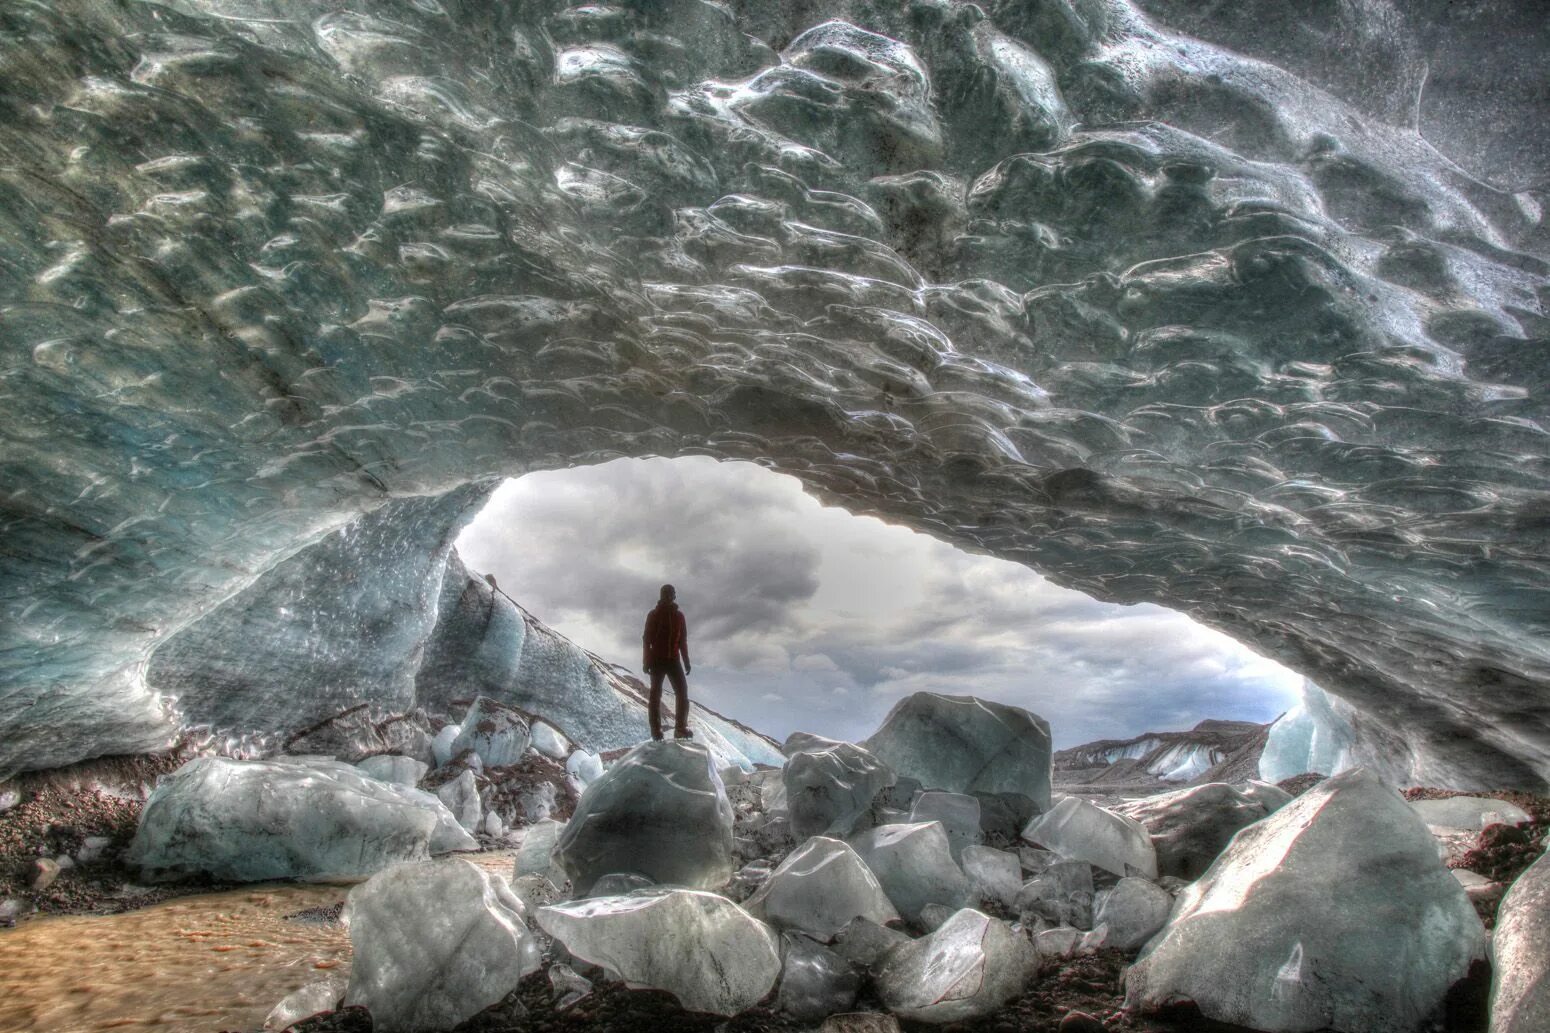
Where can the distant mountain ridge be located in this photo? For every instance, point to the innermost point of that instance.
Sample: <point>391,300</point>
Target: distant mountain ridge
<point>1213,750</point>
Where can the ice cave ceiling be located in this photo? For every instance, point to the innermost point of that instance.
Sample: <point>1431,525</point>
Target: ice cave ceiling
<point>1044,278</point>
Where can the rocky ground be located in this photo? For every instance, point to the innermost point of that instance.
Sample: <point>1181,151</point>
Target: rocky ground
<point>82,819</point>
<point>62,841</point>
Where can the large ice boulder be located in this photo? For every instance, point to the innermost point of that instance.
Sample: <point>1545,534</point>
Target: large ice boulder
<point>830,786</point>
<point>1132,912</point>
<point>662,811</point>
<point>1190,827</point>
<point>700,947</point>
<point>435,944</point>
<point>915,867</point>
<point>996,874</point>
<point>966,745</point>
<point>959,814</point>
<point>1084,831</point>
<point>815,982</point>
<point>1520,978</point>
<point>1334,912</point>
<point>970,966</point>
<point>819,888</point>
<point>461,797</point>
<point>497,733</point>
<point>248,820</point>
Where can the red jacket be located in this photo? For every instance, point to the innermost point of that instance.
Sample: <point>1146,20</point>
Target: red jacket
<point>666,636</point>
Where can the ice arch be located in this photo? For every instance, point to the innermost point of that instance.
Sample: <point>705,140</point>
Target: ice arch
<point>1041,278</point>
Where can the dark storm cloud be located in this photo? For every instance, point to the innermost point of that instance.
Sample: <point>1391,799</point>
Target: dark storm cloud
<point>599,543</point>
<point>803,617</point>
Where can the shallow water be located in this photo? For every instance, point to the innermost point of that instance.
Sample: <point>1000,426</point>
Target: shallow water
<point>216,961</point>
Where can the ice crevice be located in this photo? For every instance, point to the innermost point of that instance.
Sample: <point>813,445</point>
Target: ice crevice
<point>287,288</point>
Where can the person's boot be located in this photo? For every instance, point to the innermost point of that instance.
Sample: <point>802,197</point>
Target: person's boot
<point>682,733</point>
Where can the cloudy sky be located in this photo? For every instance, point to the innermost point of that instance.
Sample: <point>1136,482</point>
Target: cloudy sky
<point>806,617</point>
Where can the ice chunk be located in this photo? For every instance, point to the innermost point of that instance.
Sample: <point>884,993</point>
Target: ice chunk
<point>1190,827</point>
<point>958,813</point>
<point>536,854</point>
<point>996,874</point>
<point>1469,812</point>
<point>661,811</point>
<point>1332,912</point>
<point>914,866</point>
<point>1086,832</point>
<point>461,795</point>
<point>664,939</point>
<point>815,981</point>
<point>435,944</point>
<point>497,733</point>
<point>584,768</point>
<point>550,741</point>
<point>569,988</point>
<point>970,966</point>
<point>388,767</point>
<point>441,745</point>
<point>819,888</point>
<point>796,742</point>
<point>254,820</point>
<point>1315,735</point>
<point>867,945</point>
<point>1058,942</point>
<point>1062,893</point>
<point>829,789</point>
<point>311,999</point>
<point>1133,911</point>
<point>1520,977</point>
<point>966,745</point>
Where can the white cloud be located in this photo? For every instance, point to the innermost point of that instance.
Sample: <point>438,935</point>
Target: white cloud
<point>805,617</point>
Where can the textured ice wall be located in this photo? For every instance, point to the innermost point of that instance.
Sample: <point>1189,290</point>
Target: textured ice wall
<point>1316,735</point>
<point>1042,278</point>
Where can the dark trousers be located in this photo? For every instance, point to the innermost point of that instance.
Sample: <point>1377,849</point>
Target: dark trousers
<point>673,670</point>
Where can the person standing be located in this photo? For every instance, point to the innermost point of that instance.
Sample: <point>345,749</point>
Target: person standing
<point>665,654</point>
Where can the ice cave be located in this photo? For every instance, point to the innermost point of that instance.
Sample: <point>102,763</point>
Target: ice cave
<point>1238,309</point>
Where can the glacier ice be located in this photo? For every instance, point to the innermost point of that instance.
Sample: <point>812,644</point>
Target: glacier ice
<point>1520,954</point>
<point>434,944</point>
<point>1469,812</point>
<point>1062,893</point>
<point>996,874</point>
<point>867,945</point>
<point>1190,827</point>
<point>829,788</point>
<point>584,767</point>
<point>311,999</point>
<point>1132,912</point>
<point>965,745</point>
<point>958,813</point>
<point>970,966</point>
<point>461,797</point>
<point>497,733</point>
<point>536,854</point>
<point>550,741</point>
<point>819,888</point>
<point>1096,293</point>
<point>664,938</point>
<point>1315,735</point>
<point>814,981</point>
<point>661,811</point>
<point>1332,912</point>
<point>441,744</point>
<point>1083,831</point>
<point>253,820</point>
<point>915,867</point>
<point>388,767</point>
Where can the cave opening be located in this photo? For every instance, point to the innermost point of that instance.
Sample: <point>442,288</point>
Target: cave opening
<point>806,617</point>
